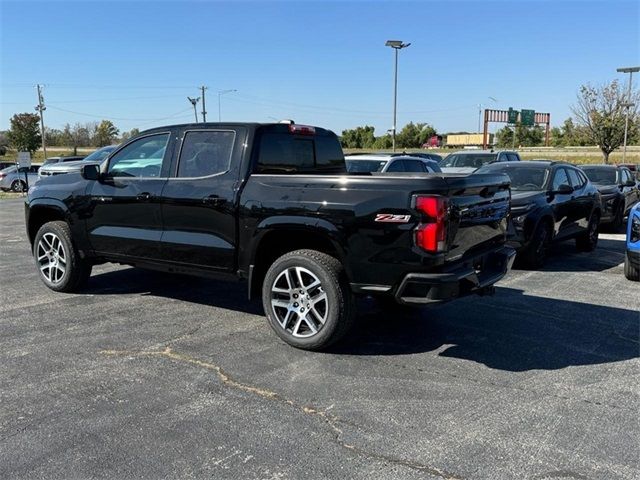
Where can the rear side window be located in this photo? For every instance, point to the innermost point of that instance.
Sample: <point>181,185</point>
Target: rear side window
<point>414,166</point>
<point>512,157</point>
<point>397,166</point>
<point>576,181</point>
<point>287,153</point>
<point>205,153</point>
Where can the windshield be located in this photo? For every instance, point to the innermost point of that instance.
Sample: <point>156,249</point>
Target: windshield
<point>99,155</point>
<point>49,161</point>
<point>602,176</point>
<point>468,159</point>
<point>524,178</point>
<point>363,166</point>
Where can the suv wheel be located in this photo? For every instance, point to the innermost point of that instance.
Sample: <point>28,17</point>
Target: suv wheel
<point>535,254</point>
<point>616,225</point>
<point>588,241</point>
<point>307,299</point>
<point>59,264</point>
<point>631,268</point>
<point>18,186</point>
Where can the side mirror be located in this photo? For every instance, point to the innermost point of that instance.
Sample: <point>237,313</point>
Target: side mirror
<point>90,172</point>
<point>564,189</point>
<point>630,183</point>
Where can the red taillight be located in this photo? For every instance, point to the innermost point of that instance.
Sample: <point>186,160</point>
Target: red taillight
<point>302,129</point>
<point>2,175</point>
<point>432,234</point>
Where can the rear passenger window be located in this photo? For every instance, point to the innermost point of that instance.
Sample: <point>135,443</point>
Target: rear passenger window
<point>205,153</point>
<point>575,179</point>
<point>397,166</point>
<point>512,157</point>
<point>413,166</point>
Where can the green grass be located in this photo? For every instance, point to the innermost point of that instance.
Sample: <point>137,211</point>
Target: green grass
<point>7,195</point>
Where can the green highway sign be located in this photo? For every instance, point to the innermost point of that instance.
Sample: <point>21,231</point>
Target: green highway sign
<point>527,117</point>
<point>512,115</point>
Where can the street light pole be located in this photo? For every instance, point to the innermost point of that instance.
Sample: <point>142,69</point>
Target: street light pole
<point>193,102</point>
<point>41,108</point>
<point>396,45</point>
<point>220,93</point>
<point>630,71</point>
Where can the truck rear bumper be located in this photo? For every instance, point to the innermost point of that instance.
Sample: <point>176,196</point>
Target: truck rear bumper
<point>473,276</point>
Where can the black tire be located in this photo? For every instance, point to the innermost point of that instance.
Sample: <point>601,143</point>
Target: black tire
<point>617,222</point>
<point>18,186</point>
<point>289,282</point>
<point>588,241</point>
<point>536,252</point>
<point>62,272</point>
<point>631,269</point>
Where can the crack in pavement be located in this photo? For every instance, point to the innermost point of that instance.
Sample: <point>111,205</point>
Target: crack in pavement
<point>327,418</point>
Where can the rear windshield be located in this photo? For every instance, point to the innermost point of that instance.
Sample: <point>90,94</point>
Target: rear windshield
<point>365,166</point>
<point>288,153</point>
<point>523,177</point>
<point>475,160</point>
<point>602,176</point>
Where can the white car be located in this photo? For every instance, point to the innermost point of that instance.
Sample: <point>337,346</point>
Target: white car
<point>74,167</point>
<point>468,161</point>
<point>388,163</point>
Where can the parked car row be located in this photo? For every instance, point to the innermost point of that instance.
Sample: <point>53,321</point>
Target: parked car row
<point>551,201</point>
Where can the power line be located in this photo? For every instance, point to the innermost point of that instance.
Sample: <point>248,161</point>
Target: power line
<point>107,117</point>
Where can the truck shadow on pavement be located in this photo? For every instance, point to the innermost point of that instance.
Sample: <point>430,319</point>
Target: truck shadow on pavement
<point>510,331</point>
<point>563,257</point>
<point>229,295</point>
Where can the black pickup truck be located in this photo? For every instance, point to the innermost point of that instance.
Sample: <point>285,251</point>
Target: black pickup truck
<point>274,205</point>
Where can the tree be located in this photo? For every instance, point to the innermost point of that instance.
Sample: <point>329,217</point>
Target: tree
<point>601,111</point>
<point>127,135</point>
<point>105,133</point>
<point>360,137</point>
<point>525,136</point>
<point>24,134</point>
<point>414,135</point>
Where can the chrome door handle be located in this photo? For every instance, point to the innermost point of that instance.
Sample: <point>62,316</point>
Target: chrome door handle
<point>144,196</point>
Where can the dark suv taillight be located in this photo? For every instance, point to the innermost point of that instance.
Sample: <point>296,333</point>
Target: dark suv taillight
<point>431,234</point>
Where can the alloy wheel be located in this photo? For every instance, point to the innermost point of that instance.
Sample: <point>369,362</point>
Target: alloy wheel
<point>299,302</point>
<point>51,258</point>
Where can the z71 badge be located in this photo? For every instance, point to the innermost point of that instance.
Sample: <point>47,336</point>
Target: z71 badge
<point>391,218</point>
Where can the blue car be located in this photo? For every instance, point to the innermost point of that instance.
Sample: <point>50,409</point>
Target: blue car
<point>632,255</point>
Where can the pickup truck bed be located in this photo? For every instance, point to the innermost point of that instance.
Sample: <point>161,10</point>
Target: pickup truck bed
<point>273,204</point>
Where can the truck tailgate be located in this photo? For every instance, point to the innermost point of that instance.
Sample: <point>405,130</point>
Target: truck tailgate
<point>478,214</point>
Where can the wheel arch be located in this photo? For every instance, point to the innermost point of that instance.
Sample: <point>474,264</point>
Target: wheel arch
<point>279,238</point>
<point>40,213</point>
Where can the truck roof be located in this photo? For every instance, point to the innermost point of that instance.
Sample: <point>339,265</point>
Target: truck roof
<point>274,127</point>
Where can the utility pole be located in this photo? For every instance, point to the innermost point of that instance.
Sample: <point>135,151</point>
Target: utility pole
<point>629,105</point>
<point>41,108</point>
<point>479,117</point>
<point>204,110</point>
<point>194,101</point>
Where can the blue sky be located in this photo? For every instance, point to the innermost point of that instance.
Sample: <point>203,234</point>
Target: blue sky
<point>321,63</point>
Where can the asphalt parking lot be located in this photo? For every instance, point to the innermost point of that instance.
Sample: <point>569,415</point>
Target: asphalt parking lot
<point>155,376</point>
